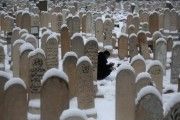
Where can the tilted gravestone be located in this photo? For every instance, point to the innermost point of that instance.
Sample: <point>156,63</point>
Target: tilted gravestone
<point>53,103</point>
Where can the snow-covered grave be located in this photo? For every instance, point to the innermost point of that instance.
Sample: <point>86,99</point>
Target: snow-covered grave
<point>49,60</point>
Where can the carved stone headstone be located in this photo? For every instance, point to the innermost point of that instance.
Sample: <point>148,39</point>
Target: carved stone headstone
<point>153,22</point>
<point>76,24</point>
<point>108,27</point>
<point>149,106</point>
<point>161,52</point>
<point>65,40</point>
<point>51,51</point>
<point>91,51</point>
<point>133,49</point>
<point>156,71</point>
<point>123,46</point>
<point>77,44</point>
<point>54,94</point>
<point>26,21</point>
<point>37,68</point>
<point>99,29</point>
<point>85,94</point>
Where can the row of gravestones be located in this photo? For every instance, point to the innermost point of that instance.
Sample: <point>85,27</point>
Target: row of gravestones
<point>45,83</point>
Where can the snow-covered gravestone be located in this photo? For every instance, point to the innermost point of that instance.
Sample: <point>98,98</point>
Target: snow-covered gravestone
<point>16,56</point>
<point>26,20</point>
<point>76,24</point>
<point>35,20</point>
<point>125,93</point>
<point>32,39</point>
<point>44,37</point>
<point>161,20</point>
<point>123,46</point>
<point>149,104</point>
<point>169,43</point>
<point>22,31</point>
<point>156,35</point>
<point>15,100</point>
<point>77,44</point>
<point>108,27</point>
<point>145,16</point>
<point>129,21</point>
<point>51,51</point>
<point>73,114</point>
<point>136,23</point>
<point>85,91</point>
<point>133,50</point>
<point>143,44</point>
<point>44,19</point>
<point>54,22</point>
<point>143,79</point>
<point>155,69</point>
<point>89,22</point>
<point>15,34</point>
<point>24,49</point>
<point>167,19</point>
<point>175,65</point>
<point>19,19</point>
<point>83,27</point>
<point>69,21</point>
<point>59,22</point>
<point>37,68</point>
<point>54,94</point>
<point>131,29</point>
<point>65,40</point>
<point>138,63</point>
<point>174,20</point>
<point>2,57</point>
<point>99,29</point>
<point>9,22</point>
<point>172,108</point>
<point>69,67</point>
<point>91,51</point>
<point>4,77</point>
<point>153,22</point>
<point>161,52</point>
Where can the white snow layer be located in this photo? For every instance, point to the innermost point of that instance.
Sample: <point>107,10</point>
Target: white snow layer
<point>153,63</point>
<point>83,58</point>
<point>161,40</point>
<point>148,90</point>
<point>125,66</point>
<point>171,102</point>
<point>26,46</point>
<point>143,75</point>
<point>52,36</point>
<point>137,57</point>
<point>73,112</point>
<point>71,53</point>
<point>5,75</point>
<point>14,81</point>
<point>54,72</point>
<point>18,41</point>
<point>36,51</point>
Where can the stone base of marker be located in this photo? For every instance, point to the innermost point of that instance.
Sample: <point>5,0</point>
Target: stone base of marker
<point>34,106</point>
<point>91,113</point>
